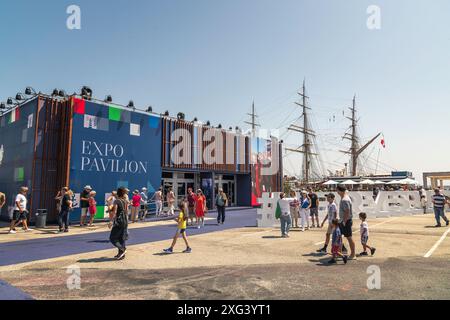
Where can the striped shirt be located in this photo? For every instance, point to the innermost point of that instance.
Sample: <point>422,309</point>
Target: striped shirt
<point>439,200</point>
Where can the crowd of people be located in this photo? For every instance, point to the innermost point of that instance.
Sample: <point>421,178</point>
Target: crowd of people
<point>340,219</point>
<point>122,210</point>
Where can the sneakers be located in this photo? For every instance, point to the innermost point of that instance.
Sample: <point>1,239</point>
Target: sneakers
<point>446,223</point>
<point>188,250</point>
<point>372,251</point>
<point>169,250</point>
<point>12,231</point>
<point>323,250</point>
<point>28,230</point>
<point>364,253</point>
<point>437,226</point>
<point>66,230</point>
<point>345,258</point>
<point>121,255</point>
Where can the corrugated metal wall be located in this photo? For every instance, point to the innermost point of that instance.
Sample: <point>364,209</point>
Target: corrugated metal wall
<point>196,144</point>
<point>51,154</point>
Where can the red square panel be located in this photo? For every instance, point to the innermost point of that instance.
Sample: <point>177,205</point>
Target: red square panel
<point>79,106</point>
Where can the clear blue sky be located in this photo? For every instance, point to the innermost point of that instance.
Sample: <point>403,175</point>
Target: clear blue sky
<point>211,58</point>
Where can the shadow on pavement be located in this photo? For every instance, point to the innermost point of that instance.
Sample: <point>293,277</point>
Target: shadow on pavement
<point>271,237</point>
<point>96,260</point>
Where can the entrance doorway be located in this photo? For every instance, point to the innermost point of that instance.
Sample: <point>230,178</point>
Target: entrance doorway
<point>228,184</point>
<point>179,182</point>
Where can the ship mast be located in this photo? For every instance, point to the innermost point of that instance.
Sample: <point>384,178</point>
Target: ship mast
<point>308,134</point>
<point>355,150</point>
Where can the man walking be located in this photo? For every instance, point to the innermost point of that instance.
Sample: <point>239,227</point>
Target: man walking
<point>285,217</point>
<point>66,205</point>
<point>439,207</point>
<point>314,208</point>
<point>20,211</point>
<point>144,201</point>
<point>345,219</point>
<point>84,204</point>
<point>221,203</point>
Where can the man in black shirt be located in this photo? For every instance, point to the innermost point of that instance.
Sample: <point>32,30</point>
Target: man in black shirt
<point>84,204</point>
<point>66,204</point>
<point>314,209</point>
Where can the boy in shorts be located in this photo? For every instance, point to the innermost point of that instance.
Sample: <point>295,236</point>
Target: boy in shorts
<point>336,243</point>
<point>331,215</point>
<point>364,231</point>
<point>181,220</point>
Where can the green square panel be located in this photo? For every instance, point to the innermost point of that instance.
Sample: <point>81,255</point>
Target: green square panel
<point>100,212</point>
<point>114,113</point>
<point>19,174</point>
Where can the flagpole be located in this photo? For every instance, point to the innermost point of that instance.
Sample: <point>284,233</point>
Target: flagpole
<point>378,157</point>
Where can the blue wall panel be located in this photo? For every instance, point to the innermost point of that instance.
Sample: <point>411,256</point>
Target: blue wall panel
<point>113,147</point>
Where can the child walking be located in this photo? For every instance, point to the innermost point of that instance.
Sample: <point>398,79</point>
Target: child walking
<point>92,207</point>
<point>181,220</point>
<point>364,230</point>
<point>331,215</point>
<point>336,248</point>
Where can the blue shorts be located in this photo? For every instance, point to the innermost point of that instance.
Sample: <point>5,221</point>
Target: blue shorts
<point>364,239</point>
<point>181,231</point>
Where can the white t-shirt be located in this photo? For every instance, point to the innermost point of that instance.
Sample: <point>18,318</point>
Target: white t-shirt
<point>364,229</point>
<point>332,212</point>
<point>22,202</point>
<point>284,205</point>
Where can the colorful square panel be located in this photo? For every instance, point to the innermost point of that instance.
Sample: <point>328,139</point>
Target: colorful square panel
<point>114,113</point>
<point>79,106</point>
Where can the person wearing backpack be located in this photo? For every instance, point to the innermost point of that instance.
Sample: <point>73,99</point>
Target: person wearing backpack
<point>119,223</point>
<point>221,203</point>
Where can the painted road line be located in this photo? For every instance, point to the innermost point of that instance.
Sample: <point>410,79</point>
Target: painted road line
<point>356,229</point>
<point>436,245</point>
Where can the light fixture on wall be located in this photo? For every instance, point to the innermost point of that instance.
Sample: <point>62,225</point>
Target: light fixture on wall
<point>29,91</point>
<point>86,92</point>
<point>108,98</point>
<point>180,116</point>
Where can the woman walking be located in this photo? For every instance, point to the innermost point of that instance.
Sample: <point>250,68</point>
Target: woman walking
<point>92,207</point>
<point>135,205</point>
<point>119,223</point>
<point>200,208</point>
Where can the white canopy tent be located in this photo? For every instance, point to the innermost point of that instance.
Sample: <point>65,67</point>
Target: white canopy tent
<point>349,182</point>
<point>330,182</point>
<point>393,182</point>
<point>367,181</point>
<point>379,182</point>
<point>408,181</point>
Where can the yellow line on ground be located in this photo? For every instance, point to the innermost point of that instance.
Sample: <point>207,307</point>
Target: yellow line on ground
<point>436,245</point>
